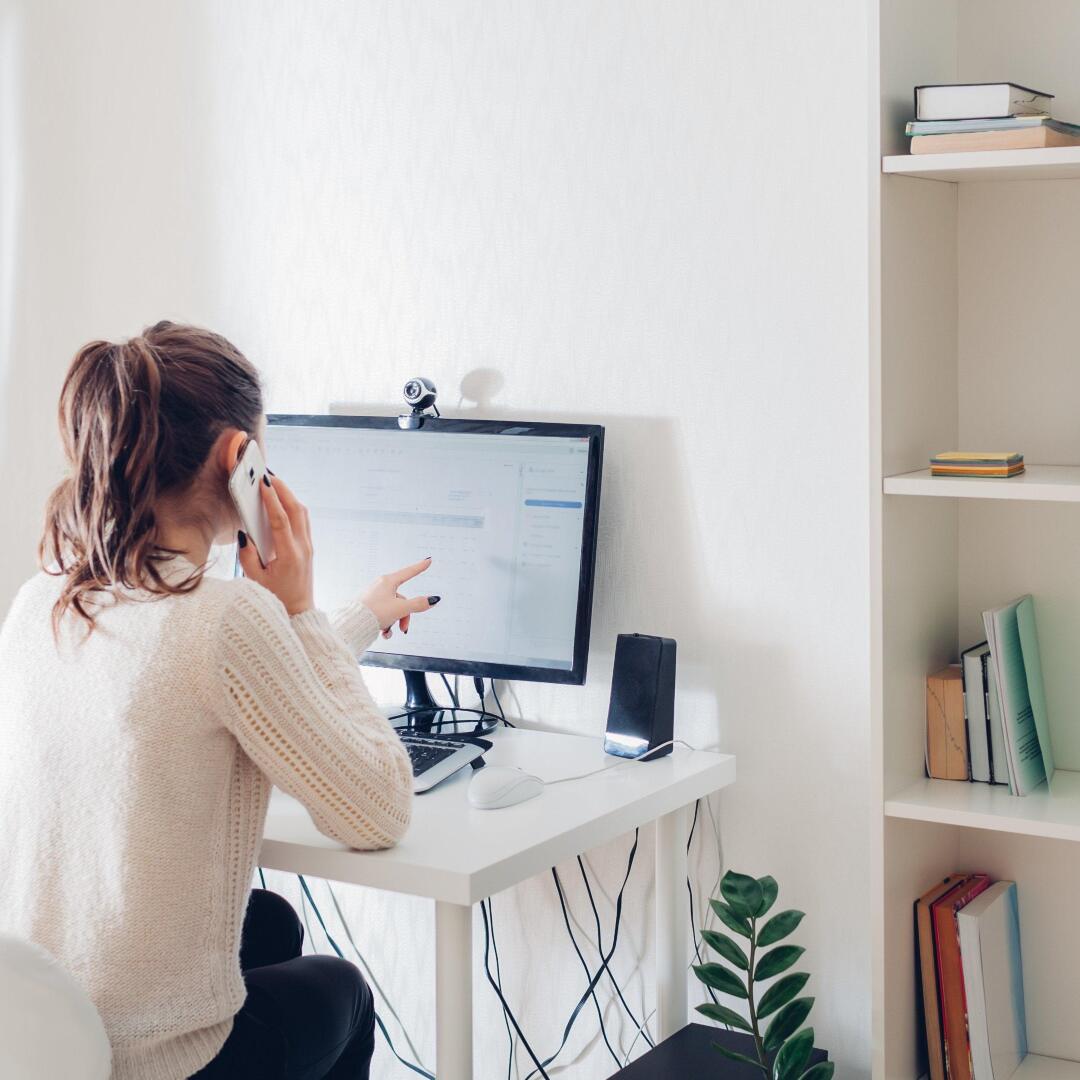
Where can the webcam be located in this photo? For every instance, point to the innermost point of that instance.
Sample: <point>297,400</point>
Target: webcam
<point>420,394</point>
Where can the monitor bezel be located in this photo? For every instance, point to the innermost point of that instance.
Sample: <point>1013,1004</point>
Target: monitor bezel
<point>574,676</point>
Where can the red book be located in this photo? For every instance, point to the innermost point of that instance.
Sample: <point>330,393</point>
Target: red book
<point>951,974</point>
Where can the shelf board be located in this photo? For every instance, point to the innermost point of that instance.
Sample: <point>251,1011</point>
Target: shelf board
<point>1038,483</point>
<point>1052,812</point>
<point>1037,1067</point>
<point>1049,163</point>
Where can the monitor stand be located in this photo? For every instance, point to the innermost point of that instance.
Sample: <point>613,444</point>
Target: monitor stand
<point>422,708</point>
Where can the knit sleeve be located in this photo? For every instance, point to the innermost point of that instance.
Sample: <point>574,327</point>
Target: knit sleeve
<point>296,703</point>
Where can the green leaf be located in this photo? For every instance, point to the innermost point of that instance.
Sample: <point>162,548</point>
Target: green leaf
<point>793,1056</point>
<point>780,959</point>
<point>781,992</point>
<point>727,948</point>
<point>778,927</point>
<point>719,978</point>
<point>730,919</point>
<point>734,1055</point>
<point>823,1070</point>
<point>769,889</point>
<point>723,1015</point>
<point>786,1021</point>
<point>742,893</point>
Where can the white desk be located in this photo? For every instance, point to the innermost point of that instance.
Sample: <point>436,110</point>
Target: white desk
<point>457,856</point>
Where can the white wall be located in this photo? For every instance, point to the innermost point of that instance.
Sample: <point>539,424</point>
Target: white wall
<point>640,214</point>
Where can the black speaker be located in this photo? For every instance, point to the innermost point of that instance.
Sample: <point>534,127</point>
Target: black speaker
<point>641,714</point>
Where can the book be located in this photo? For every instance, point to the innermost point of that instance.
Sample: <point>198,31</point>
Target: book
<point>931,1004</point>
<point>1048,133</point>
<point>999,760</point>
<point>950,974</point>
<point>1016,668</point>
<point>960,101</point>
<point>977,463</point>
<point>946,735</point>
<point>966,127</point>
<point>989,931</point>
<point>976,715</point>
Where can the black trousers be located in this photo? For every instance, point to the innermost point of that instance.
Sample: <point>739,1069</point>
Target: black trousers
<point>305,1017</point>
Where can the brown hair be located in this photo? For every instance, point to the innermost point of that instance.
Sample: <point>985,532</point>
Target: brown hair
<point>138,420</point>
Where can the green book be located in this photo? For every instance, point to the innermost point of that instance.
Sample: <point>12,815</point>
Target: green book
<point>1016,669</point>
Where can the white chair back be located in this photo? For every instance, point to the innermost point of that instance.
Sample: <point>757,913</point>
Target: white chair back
<point>49,1028</point>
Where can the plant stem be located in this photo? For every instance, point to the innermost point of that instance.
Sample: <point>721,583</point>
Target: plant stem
<point>750,998</point>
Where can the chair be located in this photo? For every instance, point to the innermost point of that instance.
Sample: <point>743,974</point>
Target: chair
<point>49,1028</point>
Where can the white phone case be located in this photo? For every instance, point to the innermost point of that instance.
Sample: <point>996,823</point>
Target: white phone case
<point>244,483</point>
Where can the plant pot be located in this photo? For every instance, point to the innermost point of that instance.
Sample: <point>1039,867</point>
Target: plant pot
<point>689,1055</point>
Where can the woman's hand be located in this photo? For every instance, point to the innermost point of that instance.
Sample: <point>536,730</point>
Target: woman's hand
<point>389,606</point>
<point>289,576</point>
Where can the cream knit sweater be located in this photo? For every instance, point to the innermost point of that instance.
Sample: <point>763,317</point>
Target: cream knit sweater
<point>135,770</point>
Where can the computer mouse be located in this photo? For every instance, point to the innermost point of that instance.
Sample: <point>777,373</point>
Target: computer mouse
<point>496,786</point>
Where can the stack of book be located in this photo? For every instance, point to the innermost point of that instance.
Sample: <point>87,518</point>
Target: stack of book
<point>985,116</point>
<point>972,978</point>
<point>977,463</point>
<point>986,717</point>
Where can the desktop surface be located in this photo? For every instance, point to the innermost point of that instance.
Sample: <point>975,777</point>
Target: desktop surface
<point>506,511</point>
<point>461,854</point>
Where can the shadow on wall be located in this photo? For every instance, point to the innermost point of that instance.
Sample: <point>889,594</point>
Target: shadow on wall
<point>653,560</point>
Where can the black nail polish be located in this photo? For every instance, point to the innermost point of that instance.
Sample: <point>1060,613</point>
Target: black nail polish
<point>433,600</point>
<point>271,471</point>
<point>241,538</point>
<point>266,481</point>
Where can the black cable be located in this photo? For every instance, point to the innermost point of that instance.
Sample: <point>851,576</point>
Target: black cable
<point>378,1019</point>
<point>498,976</point>
<point>690,893</point>
<point>585,967</point>
<point>483,718</point>
<point>262,877</point>
<point>502,713</point>
<point>507,1011</point>
<point>614,942</point>
<point>605,959</point>
<point>450,691</point>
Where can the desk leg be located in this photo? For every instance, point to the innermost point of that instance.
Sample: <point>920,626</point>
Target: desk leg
<point>672,918</point>
<point>453,991</point>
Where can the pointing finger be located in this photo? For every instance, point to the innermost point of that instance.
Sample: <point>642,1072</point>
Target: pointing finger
<point>398,577</point>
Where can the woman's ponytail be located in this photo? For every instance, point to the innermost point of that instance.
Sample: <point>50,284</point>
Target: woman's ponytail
<point>137,420</point>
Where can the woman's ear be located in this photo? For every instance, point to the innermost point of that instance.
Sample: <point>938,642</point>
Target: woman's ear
<point>228,447</point>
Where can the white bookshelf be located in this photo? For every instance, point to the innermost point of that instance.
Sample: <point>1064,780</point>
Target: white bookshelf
<point>1050,163</point>
<point>1038,483</point>
<point>1052,812</point>
<point>974,345</point>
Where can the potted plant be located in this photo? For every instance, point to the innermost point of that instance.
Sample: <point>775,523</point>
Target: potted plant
<point>784,1047</point>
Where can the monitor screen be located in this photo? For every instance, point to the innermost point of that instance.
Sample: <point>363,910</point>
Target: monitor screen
<point>507,512</point>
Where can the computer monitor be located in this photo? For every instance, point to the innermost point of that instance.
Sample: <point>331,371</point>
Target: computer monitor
<point>507,511</point>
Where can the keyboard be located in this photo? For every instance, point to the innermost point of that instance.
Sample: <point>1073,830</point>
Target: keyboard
<point>435,757</point>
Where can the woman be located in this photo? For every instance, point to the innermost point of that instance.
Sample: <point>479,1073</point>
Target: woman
<point>145,711</point>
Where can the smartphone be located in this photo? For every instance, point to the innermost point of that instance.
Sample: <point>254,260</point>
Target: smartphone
<point>245,481</point>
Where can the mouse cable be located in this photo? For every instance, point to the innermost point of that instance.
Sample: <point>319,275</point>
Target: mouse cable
<point>498,977</point>
<point>633,1042</point>
<point>619,764</point>
<point>507,1011</point>
<point>582,1001</point>
<point>584,964</point>
<point>600,949</point>
<point>371,975</point>
<point>378,1019</point>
